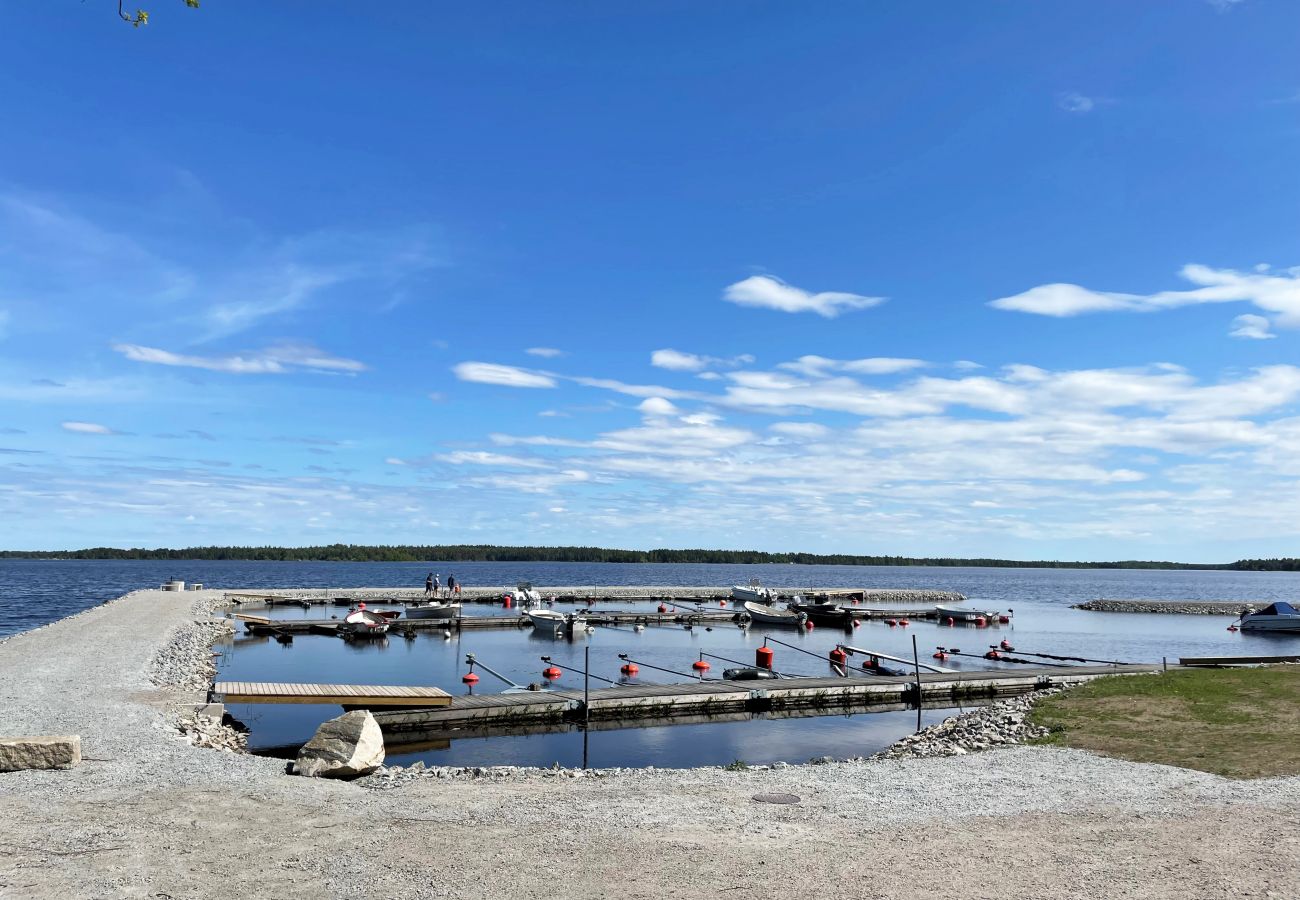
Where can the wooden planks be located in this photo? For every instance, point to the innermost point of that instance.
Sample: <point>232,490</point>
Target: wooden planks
<point>335,694</point>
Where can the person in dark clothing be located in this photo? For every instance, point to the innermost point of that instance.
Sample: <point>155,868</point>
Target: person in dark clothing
<point>451,585</point>
<point>428,585</point>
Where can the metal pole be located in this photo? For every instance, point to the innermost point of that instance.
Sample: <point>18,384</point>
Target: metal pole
<point>586,701</point>
<point>916,664</point>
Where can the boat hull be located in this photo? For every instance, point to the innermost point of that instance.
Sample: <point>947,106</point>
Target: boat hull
<point>750,595</point>
<point>763,615</point>
<point>1271,623</point>
<point>438,611</point>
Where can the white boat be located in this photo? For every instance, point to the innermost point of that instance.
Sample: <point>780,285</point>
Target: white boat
<point>769,615</point>
<point>433,611</point>
<point>964,615</point>
<point>548,621</point>
<point>361,622</point>
<point>526,595</point>
<point>755,593</point>
<point>1278,616</point>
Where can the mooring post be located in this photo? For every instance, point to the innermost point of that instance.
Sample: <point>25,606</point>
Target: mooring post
<point>1164,664</point>
<point>586,701</point>
<point>916,665</point>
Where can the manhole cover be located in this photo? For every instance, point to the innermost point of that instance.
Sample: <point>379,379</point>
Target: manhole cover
<point>777,798</point>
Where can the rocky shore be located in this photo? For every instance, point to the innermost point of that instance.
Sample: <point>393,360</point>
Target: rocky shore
<point>1179,607</point>
<point>998,725</point>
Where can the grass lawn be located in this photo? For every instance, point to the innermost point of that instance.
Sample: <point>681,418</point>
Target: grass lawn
<point>1242,723</point>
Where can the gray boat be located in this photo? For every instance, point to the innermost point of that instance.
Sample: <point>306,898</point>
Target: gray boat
<point>433,611</point>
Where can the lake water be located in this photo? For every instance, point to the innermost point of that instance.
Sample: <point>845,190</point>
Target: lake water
<point>35,592</point>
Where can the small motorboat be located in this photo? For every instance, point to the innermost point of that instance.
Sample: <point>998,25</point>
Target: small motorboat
<point>823,611</point>
<point>548,621</point>
<point>526,595</point>
<point>748,673</point>
<point>361,622</point>
<point>1280,616</point>
<point>433,611</point>
<point>770,615</point>
<point>755,593</point>
<point>964,615</point>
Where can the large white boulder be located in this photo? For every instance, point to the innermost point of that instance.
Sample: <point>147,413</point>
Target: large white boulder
<point>44,752</point>
<point>347,747</point>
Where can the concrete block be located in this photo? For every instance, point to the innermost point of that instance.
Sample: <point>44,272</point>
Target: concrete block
<point>43,752</point>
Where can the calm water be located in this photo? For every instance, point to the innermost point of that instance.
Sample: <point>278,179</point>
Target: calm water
<point>35,592</point>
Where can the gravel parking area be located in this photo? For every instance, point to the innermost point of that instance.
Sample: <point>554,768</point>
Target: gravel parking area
<point>148,815</point>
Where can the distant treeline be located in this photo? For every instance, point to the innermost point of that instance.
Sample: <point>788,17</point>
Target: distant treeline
<point>489,553</point>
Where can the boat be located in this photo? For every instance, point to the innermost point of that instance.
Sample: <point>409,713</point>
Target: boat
<point>361,622</point>
<point>755,593</point>
<point>548,621</point>
<point>1280,616</point>
<point>964,615</point>
<point>747,674</point>
<point>823,611</point>
<point>770,615</point>
<point>527,595</point>
<point>433,611</point>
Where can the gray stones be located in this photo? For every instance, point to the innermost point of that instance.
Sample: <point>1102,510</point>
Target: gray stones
<point>202,730</point>
<point>185,662</point>
<point>1001,724</point>
<point>1180,607</point>
<point>347,747</point>
<point>44,752</point>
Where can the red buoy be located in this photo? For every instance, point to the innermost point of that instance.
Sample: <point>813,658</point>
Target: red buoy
<point>507,601</point>
<point>722,602</point>
<point>1232,627</point>
<point>891,622</point>
<point>992,654</point>
<point>981,622</point>
<point>904,622</point>
<point>808,625</point>
<point>361,605</point>
<point>1006,645</point>
<point>941,655</point>
<point>763,657</point>
<point>701,666</point>
<point>857,624</point>
<point>552,672</point>
<point>662,609</point>
<point>949,621</point>
<point>1004,619</point>
<point>469,678</point>
<point>630,669</point>
<point>838,656</point>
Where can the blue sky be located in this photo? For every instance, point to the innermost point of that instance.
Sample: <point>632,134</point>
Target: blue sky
<point>995,279</point>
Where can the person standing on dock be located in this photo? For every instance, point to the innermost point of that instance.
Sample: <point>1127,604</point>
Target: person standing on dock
<point>428,585</point>
<point>452,586</point>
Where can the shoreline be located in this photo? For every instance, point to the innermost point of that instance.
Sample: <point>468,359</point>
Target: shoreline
<point>148,814</point>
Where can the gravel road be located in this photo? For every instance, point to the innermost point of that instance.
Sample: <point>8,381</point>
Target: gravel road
<point>148,815</point>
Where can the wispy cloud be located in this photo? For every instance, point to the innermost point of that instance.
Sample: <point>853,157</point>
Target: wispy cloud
<point>506,376</point>
<point>766,292</point>
<point>276,360</point>
<point>1274,292</point>
<point>88,428</point>
<point>544,352</point>
<point>1074,102</point>
<point>678,361</point>
<point>876,365</point>
<point>1224,6</point>
<point>1251,326</point>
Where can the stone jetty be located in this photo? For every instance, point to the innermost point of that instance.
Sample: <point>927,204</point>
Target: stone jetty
<point>1178,607</point>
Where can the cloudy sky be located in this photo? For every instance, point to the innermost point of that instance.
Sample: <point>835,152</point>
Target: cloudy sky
<point>947,278</point>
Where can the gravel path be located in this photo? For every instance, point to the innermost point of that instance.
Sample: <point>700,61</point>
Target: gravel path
<point>147,815</point>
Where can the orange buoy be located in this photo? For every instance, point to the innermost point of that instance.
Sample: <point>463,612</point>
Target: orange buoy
<point>630,669</point>
<point>552,672</point>
<point>904,622</point>
<point>1232,628</point>
<point>701,666</point>
<point>469,678</point>
<point>941,655</point>
<point>838,656</point>
<point>764,657</point>
<point>992,654</point>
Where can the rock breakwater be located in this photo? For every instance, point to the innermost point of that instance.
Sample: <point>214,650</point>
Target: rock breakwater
<point>1178,607</point>
<point>1002,724</point>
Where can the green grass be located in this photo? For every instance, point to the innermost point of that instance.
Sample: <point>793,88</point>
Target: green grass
<point>1242,723</point>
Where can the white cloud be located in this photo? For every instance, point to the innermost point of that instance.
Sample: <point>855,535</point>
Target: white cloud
<point>1074,102</point>
<point>806,430</point>
<point>506,376</point>
<point>693,362</point>
<point>766,292</point>
<point>876,365</point>
<point>1278,294</point>
<point>1251,326</point>
<point>276,360</point>
<point>657,406</point>
<point>544,352</point>
<point>87,428</point>
<point>1224,6</point>
<point>484,458</point>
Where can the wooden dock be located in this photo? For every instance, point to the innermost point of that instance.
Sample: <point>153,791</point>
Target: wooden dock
<point>821,695</point>
<point>263,625</point>
<point>358,695</point>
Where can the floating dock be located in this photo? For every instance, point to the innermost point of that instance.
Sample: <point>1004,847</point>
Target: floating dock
<point>828,695</point>
<point>357,695</point>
